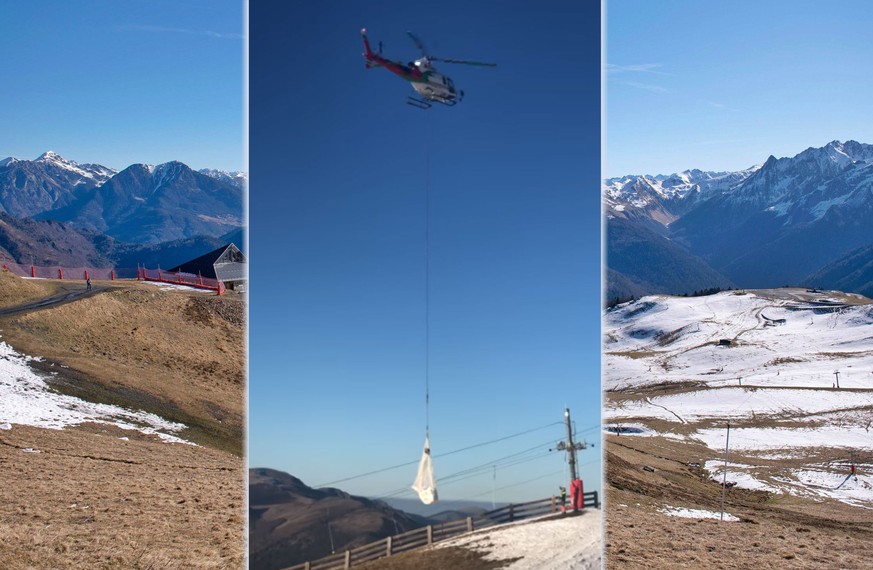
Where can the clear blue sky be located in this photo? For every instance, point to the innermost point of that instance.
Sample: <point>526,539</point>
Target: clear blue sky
<point>338,174</point>
<point>722,86</point>
<point>118,83</point>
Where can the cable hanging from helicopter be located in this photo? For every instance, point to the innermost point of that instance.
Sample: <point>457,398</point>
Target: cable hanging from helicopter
<point>425,480</point>
<point>431,86</point>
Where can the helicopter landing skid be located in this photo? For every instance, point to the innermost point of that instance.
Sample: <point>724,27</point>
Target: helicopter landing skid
<point>419,103</point>
<point>428,103</point>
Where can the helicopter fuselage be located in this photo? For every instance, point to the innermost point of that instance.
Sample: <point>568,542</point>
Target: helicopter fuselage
<point>429,84</point>
<point>436,87</point>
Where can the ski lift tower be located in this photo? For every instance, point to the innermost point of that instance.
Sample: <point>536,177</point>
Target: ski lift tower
<point>571,447</point>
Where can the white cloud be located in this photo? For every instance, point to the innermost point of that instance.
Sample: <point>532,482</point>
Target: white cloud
<point>163,29</point>
<point>636,68</point>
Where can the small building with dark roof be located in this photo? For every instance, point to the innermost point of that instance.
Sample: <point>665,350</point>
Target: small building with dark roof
<point>226,264</point>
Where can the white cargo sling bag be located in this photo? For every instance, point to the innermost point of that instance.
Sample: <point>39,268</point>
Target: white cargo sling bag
<point>425,482</point>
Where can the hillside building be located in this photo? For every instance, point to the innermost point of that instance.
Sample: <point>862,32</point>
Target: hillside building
<point>226,264</point>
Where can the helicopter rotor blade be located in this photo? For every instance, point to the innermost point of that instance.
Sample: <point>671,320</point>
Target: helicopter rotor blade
<point>418,43</point>
<point>464,62</point>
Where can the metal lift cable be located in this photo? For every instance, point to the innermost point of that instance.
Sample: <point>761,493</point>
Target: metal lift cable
<point>427,277</point>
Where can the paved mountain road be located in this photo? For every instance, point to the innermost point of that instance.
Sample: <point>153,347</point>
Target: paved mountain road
<point>66,295</point>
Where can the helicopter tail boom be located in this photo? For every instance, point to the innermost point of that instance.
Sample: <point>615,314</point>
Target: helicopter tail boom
<point>369,56</point>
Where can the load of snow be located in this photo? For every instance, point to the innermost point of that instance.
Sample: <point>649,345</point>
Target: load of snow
<point>26,399</point>
<point>569,543</point>
<point>696,513</point>
<point>425,481</point>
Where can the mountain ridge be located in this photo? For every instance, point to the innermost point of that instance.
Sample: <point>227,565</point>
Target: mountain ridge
<point>141,203</point>
<point>768,225</point>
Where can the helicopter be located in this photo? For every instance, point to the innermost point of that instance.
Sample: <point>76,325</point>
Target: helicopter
<point>432,87</point>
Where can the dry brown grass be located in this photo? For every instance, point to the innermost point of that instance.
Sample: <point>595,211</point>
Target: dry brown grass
<point>178,354</point>
<point>778,531</point>
<point>446,558</point>
<point>16,291</point>
<point>90,500</point>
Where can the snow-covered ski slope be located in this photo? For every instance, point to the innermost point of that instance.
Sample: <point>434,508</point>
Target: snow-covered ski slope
<point>568,543</point>
<point>765,361</point>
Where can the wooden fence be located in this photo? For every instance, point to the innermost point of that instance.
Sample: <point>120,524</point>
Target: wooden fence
<point>432,534</point>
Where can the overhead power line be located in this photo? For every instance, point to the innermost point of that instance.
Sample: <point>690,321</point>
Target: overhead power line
<point>414,462</point>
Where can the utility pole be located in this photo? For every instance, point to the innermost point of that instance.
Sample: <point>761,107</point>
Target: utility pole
<point>837,374</point>
<point>724,479</point>
<point>569,446</point>
<point>494,488</point>
<point>330,533</point>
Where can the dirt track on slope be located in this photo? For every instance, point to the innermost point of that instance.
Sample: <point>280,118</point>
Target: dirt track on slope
<point>782,532</point>
<point>84,497</point>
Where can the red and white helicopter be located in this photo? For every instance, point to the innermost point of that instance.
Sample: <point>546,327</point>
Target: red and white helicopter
<point>430,85</point>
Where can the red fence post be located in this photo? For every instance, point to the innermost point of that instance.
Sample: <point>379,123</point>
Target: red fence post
<point>61,273</point>
<point>112,275</point>
<point>32,271</point>
<point>86,275</point>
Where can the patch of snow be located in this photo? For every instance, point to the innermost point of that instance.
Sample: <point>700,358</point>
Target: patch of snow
<point>696,513</point>
<point>165,173</point>
<point>26,399</point>
<point>568,543</point>
<point>178,287</point>
<point>822,207</point>
<point>742,475</point>
<point>775,438</point>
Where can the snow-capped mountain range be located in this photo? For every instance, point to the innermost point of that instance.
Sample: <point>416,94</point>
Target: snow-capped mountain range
<point>140,204</point>
<point>234,177</point>
<point>771,224</point>
<point>666,197</point>
<point>28,187</point>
